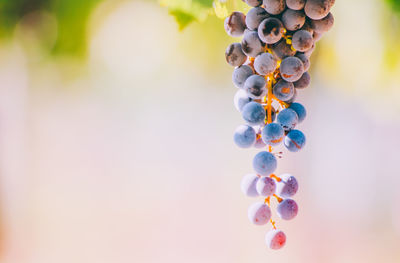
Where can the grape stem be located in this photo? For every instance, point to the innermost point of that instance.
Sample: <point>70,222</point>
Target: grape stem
<point>273,176</point>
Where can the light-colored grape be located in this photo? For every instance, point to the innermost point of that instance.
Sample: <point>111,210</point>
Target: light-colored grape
<point>265,186</point>
<point>264,163</point>
<point>275,239</point>
<point>240,74</point>
<point>265,64</point>
<point>287,209</point>
<point>287,186</point>
<point>259,213</point>
<point>248,185</point>
<point>240,99</point>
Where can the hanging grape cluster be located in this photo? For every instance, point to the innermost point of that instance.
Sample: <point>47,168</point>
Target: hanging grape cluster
<point>271,64</point>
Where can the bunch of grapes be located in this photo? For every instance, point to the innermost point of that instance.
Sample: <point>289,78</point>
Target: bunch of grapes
<point>271,64</point>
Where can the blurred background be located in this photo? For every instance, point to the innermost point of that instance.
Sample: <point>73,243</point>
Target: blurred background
<point>116,128</point>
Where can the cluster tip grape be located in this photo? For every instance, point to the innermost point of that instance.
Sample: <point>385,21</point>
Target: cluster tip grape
<point>271,66</point>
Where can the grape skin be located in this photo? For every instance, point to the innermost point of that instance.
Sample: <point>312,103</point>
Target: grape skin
<point>255,16</point>
<point>240,74</point>
<point>253,113</point>
<point>253,3</point>
<point>291,69</point>
<point>323,25</point>
<point>303,82</point>
<point>266,186</point>
<point>248,185</point>
<point>287,209</point>
<point>265,64</point>
<point>255,87</point>
<point>274,7</point>
<point>240,99</point>
<point>295,4</point>
<point>234,55</point>
<point>302,40</point>
<point>275,239</point>
<point>251,44</point>
<point>309,52</point>
<point>259,213</point>
<point>293,20</point>
<point>283,90</point>
<point>318,9</point>
<point>307,26</point>
<point>293,98</point>
<point>272,134</point>
<point>244,136</point>
<point>264,163</point>
<point>287,187</point>
<point>300,110</point>
<point>235,24</point>
<point>305,60</point>
<point>317,36</point>
<point>288,119</point>
<point>282,50</point>
<point>270,30</point>
<point>294,140</point>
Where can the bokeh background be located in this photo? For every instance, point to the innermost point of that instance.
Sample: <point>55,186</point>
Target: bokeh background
<point>116,139</point>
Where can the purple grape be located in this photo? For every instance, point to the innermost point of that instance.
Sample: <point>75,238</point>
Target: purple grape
<point>287,187</point>
<point>253,113</point>
<point>275,239</point>
<point>318,9</point>
<point>291,69</point>
<point>234,55</point>
<point>240,99</point>
<point>274,7</point>
<point>253,3</point>
<point>317,36</point>
<point>270,30</point>
<point>264,163</point>
<point>307,26</point>
<point>288,119</point>
<point>309,52</point>
<point>248,185</point>
<point>293,20</point>
<point>266,186</point>
<point>293,98</point>
<point>273,134</point>
<point>255,16</point>
<point>294,140</point>
<point>287,209</point>
<point>283,90</point>
<point>305,60</point>
<point>259,213</point>
<point>323,25</point>
<point>265,64</point>
<point>295,4</point>
<point>302,40</point>
<point>244,136</point>
<point>235,24</point>
<point>251,44</point>
<point>240,74</point>
<point>255,87</point>
<point>282,50</point>
<point>303,82</point>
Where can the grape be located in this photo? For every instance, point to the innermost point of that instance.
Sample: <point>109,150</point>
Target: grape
<point>287,187</point>
<point>265,186</point>
<point>305,60</point>
<point>253,3</point>
<point>307,26</point>
<point>235,24</point>
<point>323,25</point>
<point>270,30</point>
<point>302,40</point>
<point>248,185</point>
<point>274,7</point>
<point>253,113</point>
<point>259,213</point>
<point>240,74</point>
<point>259,143</point>
<point>288,119</point>
<point>265,64</point>
<point>272,134</point>
<point>294,140</point>
<point>303,82</point>
<point>287,209</point>
<point>317,36</point>
<point>251,44</point>
<point>295,4</point>
<point>234,55</point>
<point>291,69</point>
<point>244,136</point>
<point>283,90</point>
<point>318,9</point>
<point>309,52</point>
<point>255,16</point>
<point>264,163</point>
<point>255,87</point>
<point>293,98</point>
<point>241,98</point>
<point>282,50</point>
<point>300,110</point>
<point>293,19</point>
<point>275,239</point>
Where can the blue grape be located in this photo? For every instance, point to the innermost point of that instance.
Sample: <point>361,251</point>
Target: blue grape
<point>292,69</point>
<point>293,98</point>
<point>287,186</point>
<point>273,114</point>
<point>264,163</point>
<point>288,119</point>
<point>244,136</point>
<point>265,186</point>
<point>270,30</point>
<point>240,74</point>
<point>300,110</point>
<point>255,16</point>
<point>241,98</point>
<point>283,90</point>
<point>259,213</point>
<point>234,55</point>
<point>255,87</point>
<point>253,113</point>
<point>248,185</point>
<point>287,209</point>
<point>294,140</point>
<point>235,24</point>
<point>273,134</point>
<point>275,239</point>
